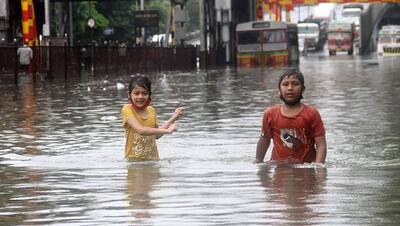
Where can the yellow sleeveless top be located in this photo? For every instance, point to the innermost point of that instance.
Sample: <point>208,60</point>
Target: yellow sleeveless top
<point>139,147</point>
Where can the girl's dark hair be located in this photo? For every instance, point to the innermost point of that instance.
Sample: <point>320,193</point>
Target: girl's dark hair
<point>141,81</point>
<point>292,72</point>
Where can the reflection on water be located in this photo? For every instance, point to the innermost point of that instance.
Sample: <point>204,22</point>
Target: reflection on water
<point>61,150</point>
<point>17,194</point>
<point>140,182</point>
<point>295,189</point>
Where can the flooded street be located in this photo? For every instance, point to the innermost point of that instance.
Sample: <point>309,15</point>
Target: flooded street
<point>62,144</point>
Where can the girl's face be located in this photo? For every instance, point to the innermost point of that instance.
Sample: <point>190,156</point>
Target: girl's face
<point>291,90</point>
<point>139,96</point>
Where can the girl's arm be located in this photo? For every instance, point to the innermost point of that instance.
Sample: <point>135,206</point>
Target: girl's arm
<point>320,147</point>
<point>148,131</point>
<point>177,114</point>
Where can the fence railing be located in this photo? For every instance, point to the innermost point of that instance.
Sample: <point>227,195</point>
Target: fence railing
<point>64,61</point>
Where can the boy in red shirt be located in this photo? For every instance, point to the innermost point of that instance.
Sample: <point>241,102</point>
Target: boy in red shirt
<point>296,128</point>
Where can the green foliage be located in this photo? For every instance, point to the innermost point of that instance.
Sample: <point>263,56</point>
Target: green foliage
<point>82,30</point>
<point>164,8</point>
<point>118,15</point>
<point>192,7</point>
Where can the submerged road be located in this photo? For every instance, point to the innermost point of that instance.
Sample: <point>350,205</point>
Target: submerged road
<point>61,150</point>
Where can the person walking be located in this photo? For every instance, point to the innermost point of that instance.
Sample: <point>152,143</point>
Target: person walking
<point>25,55</point>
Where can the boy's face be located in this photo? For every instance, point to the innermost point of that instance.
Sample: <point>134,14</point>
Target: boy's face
<point>291,90</point>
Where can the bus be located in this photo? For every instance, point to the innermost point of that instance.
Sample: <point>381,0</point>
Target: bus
<point>389,41</point>
<point>266,43</point>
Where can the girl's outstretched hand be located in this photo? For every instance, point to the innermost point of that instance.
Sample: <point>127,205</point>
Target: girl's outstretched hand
<point>179,112</point>
<point>172,128</point>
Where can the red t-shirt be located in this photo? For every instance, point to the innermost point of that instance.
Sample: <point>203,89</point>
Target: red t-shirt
<point>293,137</point>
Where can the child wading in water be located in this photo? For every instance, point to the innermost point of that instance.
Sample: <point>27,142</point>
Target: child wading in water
<point>141,124</point>
<point>296,128</point>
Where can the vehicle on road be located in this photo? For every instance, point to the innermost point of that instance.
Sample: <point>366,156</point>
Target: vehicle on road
<point>389,41</point>
<point>266,43</point>
<point>308,36</point>
<point>351,13</point>
<point>340,37</point>
<point>312,33</point>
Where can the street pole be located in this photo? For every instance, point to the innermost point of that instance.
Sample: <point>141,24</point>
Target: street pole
<point>203,39</point>
<point>71,30</point>
<point>142,8</point>
<point>46,25</point>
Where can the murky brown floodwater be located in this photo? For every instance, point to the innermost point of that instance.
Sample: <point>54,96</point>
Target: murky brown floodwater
<point>61,151</point>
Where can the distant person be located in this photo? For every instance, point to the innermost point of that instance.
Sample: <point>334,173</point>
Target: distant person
<point>122,49</point>
<point>296,128</point>
<point>87,60</point>
<point>141,123</point>
<point>25,55</point>
<point>305,48</point>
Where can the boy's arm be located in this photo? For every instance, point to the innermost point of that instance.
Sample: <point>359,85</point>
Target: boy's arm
<point>262,147</point>
<point>320,148</point>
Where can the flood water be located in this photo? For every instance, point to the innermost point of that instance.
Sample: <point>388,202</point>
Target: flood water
<point>61,150</point>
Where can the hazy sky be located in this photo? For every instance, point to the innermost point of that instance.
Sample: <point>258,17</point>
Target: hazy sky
<point>323,9</point>
<point>320,10</point>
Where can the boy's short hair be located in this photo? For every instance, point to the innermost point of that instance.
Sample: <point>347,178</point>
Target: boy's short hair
<point>292,72</point>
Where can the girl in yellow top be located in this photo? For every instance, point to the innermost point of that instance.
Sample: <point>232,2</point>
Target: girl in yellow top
<point>141,124</point>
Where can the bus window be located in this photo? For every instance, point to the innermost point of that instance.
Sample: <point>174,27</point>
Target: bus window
<point>274,36</point>
<point>248,37</point>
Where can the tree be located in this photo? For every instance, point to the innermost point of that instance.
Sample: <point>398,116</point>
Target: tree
<point>82,30</point>
<point>118,15</point>
<point>193,10</point>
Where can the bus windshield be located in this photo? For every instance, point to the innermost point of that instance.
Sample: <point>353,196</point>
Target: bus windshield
<point>248,37</point>
<point>254,37</point>
<point>272,36</point>
<point>307,29</point>
<point>351,12</point>
<point>339,35</point>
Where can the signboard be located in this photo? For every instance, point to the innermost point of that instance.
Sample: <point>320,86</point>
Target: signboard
<point>46,30</point>
<point>264,24</point>
<point>146,18</point>
<point>179,2</point>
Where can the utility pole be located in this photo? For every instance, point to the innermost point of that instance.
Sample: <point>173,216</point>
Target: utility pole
<point>223,8</point>
<point>143,30</point>
<point>46,25</point>
<point>71,24</point>
<point>203,33</point>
